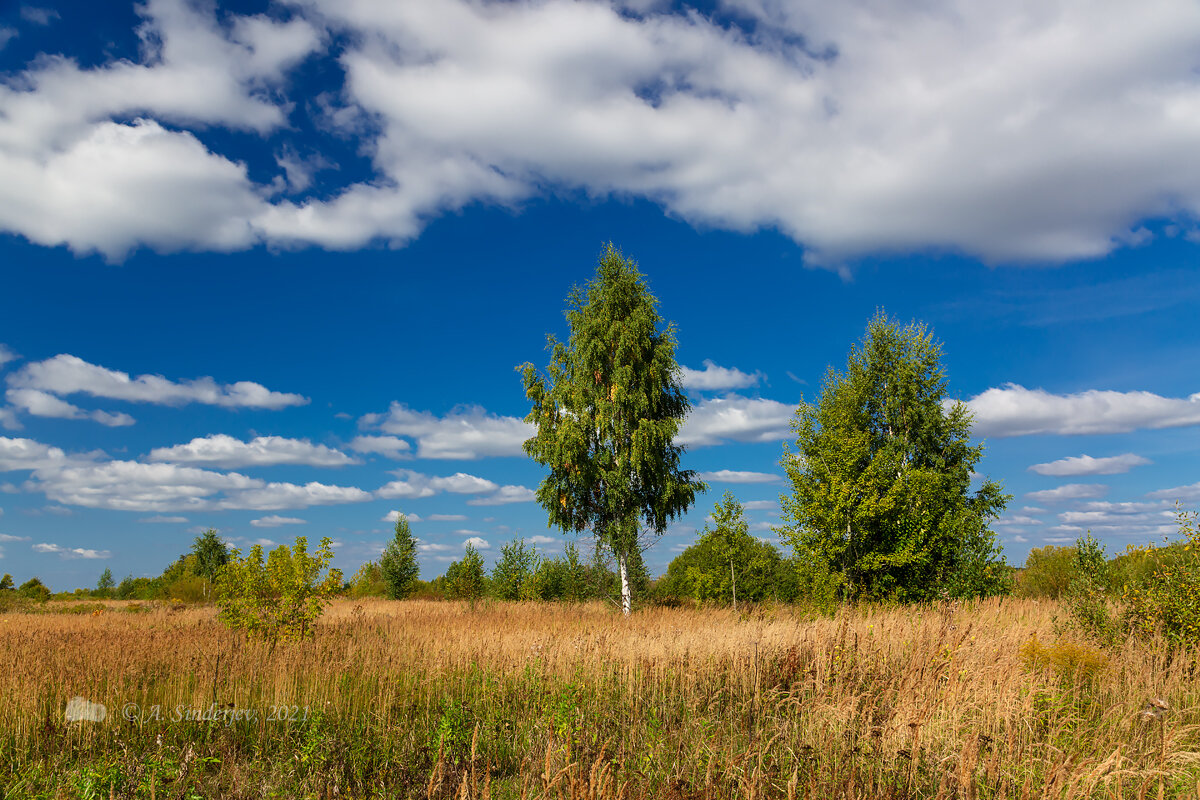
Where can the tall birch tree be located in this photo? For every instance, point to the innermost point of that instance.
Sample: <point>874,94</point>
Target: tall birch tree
<point>607,410</point>
<point>881,504</point>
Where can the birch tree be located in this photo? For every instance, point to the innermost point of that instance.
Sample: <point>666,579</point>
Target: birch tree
<point>607,410</point>
<point>881,503</point>
<point>398,564</point>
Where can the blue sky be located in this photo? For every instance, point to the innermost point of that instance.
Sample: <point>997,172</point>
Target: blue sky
<point>270,267</point>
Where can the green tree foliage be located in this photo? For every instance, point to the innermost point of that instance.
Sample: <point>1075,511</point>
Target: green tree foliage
<point>727,562</point>
<point>105,586</point>
<point>368,581</point>
<point>465,578</point>
<point>131,588</point>
<point>565,578</point>
<point>1086,598</point>
<point>281,596</point>
<point>880,504</point>
<point>211,554</point>
<point>607,411</point>
<point>34,589</point>
<point>731,543</point>
<point>1048,572</point>
<point>513,572</point>
<point>1167,601</point>
<point>6,583</point>
<point>191,577</point>
<point>398,564</point>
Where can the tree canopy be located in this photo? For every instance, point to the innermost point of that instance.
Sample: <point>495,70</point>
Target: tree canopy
<point>727,564</point>
<point>881,503</point>
<point>607,411</point>
<point>398,564</point>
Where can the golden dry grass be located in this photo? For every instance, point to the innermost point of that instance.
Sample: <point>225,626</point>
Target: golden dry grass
<point>440,699</point>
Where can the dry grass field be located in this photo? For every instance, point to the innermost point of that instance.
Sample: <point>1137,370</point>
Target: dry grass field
<point>438,699</point>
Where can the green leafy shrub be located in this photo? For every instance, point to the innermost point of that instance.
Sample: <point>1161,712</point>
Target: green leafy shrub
<point>465,579</point>
<point>190,589</point>
<point>368,581</point>
<point>1048,572</point>
<point>1087,597</point>
<point>1168,600</point>
<point>279,597</point>
<point>34,589</point>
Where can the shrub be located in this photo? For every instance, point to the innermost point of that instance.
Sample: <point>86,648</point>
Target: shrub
<point>1048,572</point>
<point>280,597</point>
<point>190,589</point>
<point>465,579</point>
<point>368,582</point>
<point>34,589</point>
<point>516,567</point>
<point>1168,601</point>
<point>1071,661</point>
<point>1087,595</point>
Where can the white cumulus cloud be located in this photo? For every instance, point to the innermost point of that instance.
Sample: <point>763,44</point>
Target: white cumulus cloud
<point>1069,491</point>
<point>415,484</point>
<point>1186,493</point>
<point>465,433</point>
<point>1034,130</point>
<point>1013,410</point>
<point>43,404</point>
<point>225,451</point>
<point>716,378</point>
<point>390,446</point>
<point>738,476</point>
<point>1087,465</point>
<point>66,374</point>
<point>70,552</point>
<point>736,418</point>
<point>505,495</point>
<point>275,521</point>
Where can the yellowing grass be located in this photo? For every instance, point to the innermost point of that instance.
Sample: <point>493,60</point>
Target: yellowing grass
<point>440,699</point>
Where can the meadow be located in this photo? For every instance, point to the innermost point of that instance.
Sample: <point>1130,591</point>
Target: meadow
<point>435,699</point>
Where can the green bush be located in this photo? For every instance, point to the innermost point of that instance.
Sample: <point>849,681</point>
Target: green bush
<point>368,582</point>
<point>190,589</point>
<point>465,579</point>
<point>515,569</point>
<point>1048,572</point>
<point>34,589</point>
<point>1168,600</point>
<point>281,597</point>
<point>1087,596</point>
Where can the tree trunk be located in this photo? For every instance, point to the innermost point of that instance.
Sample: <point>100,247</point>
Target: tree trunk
<point>733,581</point>
<point>623,566</point>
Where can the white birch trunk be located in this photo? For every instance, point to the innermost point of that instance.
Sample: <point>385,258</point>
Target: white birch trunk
<point>733,580</point>
<point>626,599</point>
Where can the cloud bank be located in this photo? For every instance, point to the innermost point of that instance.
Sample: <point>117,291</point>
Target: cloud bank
<point>1025,131</point>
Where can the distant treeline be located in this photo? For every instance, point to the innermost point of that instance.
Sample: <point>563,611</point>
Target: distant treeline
<point>702,573</point>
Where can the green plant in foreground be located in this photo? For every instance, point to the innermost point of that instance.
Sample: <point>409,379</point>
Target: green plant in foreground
<point>279,597</point>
